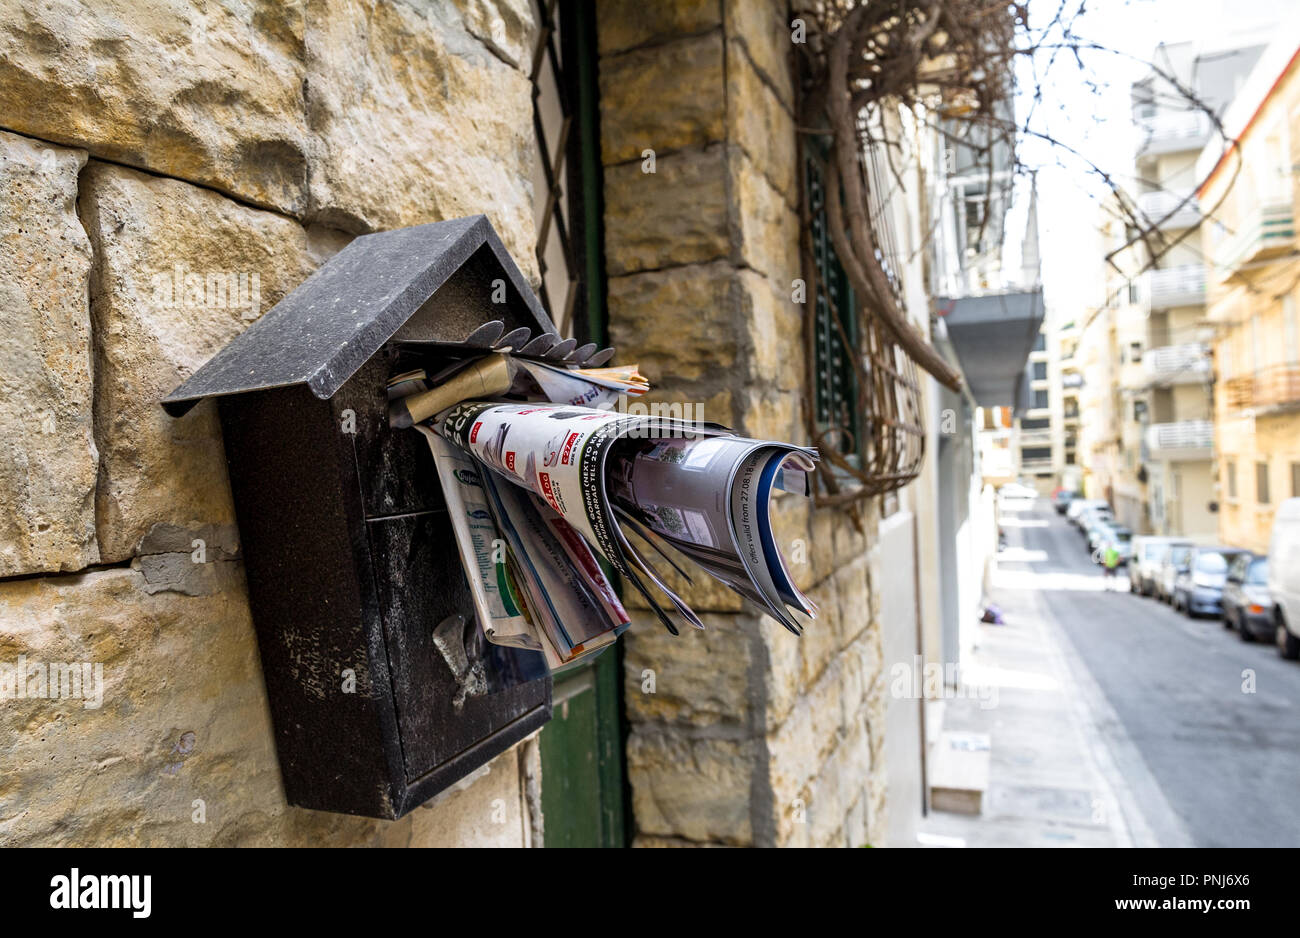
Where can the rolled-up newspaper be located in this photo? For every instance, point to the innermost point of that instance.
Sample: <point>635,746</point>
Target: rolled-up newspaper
<point>699,488</point>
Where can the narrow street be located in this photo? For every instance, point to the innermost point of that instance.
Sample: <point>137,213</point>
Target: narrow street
<point>1202,761</point>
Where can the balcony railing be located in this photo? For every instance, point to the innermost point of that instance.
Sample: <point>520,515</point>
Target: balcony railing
<point>1169,133</point>
<point>1035,465</point>
<point>1035,437</point>
<point>1275,386</point>
<point>1188,363</point>
<point>1174,286</point>
<point>1170,209</point>
<point>1264,233</point>
<point>1183,440</point>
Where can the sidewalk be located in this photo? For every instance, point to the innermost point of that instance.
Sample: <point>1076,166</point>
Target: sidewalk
<point>1052,780</point>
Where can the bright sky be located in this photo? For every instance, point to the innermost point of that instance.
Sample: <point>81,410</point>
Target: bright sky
<point>1089,110</point>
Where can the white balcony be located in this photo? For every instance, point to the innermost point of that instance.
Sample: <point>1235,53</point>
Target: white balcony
<point>1174,286</point>
<point>1266,232</point>
<point>1169,209</point>
<point>1176,364</point>
<point>1172,132</point>
<point>1036,437</point>
<point>1181,441</point>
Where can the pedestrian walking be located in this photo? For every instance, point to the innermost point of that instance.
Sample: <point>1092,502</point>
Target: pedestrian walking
<point>1110,557</point>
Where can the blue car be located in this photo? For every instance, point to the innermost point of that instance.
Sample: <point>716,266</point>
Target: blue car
<point>1198,589</point>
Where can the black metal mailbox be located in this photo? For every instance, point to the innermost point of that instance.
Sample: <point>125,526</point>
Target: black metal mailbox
<point>376,687</point>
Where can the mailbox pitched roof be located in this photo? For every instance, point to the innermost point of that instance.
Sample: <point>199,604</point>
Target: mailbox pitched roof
<point>327,328</point>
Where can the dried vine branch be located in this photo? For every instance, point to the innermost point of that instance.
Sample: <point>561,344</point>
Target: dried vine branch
<point>951,66</point>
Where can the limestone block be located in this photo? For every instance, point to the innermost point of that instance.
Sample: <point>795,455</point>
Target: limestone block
<point>853,597</point>
<point>205,92</point>
<point>766,35</point>
<point>774,331</point>
<point>695,678</point>
<point>507,27</point>
<point>678,325</point>
<point>765,228</point>
<point>624,24</point>
<point>780,675</point>
<point>761,125</point>
<point>676,215</point>
<point>48,459</point>
<point>179,751</point>
<point>837,786</point>
<point>802,743</point>
<point>415,121</point>
<point>659,98</point>
<point>696,789</point>
<point>180,271</point>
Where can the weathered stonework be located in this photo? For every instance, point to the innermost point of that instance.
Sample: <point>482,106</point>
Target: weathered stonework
<point>751,735</point>
<point>626,24</point>
<point>180,271</point>
<point>672,76</point>
<point>199,93</point>
<point>250,140</point>
<point>415,120</point>
<point>358,116</point>
<point>672,216</point>
<point>48,459</point>
<point>180,750</point>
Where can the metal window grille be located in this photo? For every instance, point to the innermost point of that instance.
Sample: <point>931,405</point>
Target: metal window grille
<point>866,396</point>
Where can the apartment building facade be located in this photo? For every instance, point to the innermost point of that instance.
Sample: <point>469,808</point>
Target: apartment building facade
<point>1147,399</point>
<point>1064,383</point>
<point>1034,452</point>
<point>1252,296</point>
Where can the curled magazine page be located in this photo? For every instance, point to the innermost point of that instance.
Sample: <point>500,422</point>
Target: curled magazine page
<point>495,603</point>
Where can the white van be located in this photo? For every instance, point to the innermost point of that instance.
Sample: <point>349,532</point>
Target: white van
<point>1284,576</point>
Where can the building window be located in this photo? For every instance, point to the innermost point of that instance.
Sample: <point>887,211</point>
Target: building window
<point>1040,344</point>
<point>1261,483</point>
<point>835,328</point>
<point>1036,423</point>
<point>1030,453</point>
<point>1040,371</point>
<point>1232,479</point>
<point>1135,352</point>
<point>1040,399</point>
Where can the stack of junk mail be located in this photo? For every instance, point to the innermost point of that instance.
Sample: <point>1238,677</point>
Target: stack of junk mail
<point>545,478</point>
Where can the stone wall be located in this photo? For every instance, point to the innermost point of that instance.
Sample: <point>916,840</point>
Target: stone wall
<point>141,144</point>
<point>741,734</point>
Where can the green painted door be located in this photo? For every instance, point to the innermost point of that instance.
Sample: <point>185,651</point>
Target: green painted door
<point>583,786</point>
<point>582,759</point>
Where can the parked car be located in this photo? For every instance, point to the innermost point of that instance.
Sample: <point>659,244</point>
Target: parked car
<point>1284,577</point>
<point>1175,562</point>
<point>1247,605</point>
<point>1078,506</point>
<point>1147,554</point>
<point>1090,523</point>
<point>1199,587</point>
<point>1061,500</point>
<point>1120,537</point>
<point>1098,528</point>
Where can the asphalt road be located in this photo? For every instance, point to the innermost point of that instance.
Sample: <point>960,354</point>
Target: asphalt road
<point>1220,765</point>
